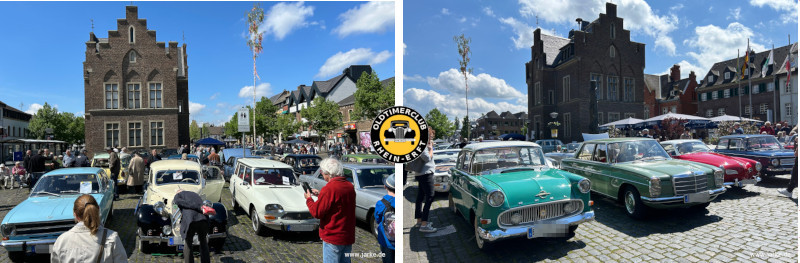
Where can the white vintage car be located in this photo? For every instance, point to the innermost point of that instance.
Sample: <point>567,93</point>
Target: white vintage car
<point>268,192</point>
<point>158,219</point>
<point>444,160</point>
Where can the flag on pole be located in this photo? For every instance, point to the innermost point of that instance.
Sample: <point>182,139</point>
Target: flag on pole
<point>746,59</point>
<point>766,64</point>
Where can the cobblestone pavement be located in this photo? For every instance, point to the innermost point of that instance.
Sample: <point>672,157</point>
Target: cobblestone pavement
<point>242,244</point>
<point>754,224</point>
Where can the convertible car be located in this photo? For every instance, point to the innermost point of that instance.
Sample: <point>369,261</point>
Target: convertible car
<point>507,189</point>
<point>35,224</point>
<point>738,171</point>
<point>763,148</point>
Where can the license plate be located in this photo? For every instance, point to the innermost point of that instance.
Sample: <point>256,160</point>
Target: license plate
<point>300,228</point>
<point>180,247</point>
<point>700,197</point>
<point>41,249</point>
<point>748,181</point>
<point>548,230</point>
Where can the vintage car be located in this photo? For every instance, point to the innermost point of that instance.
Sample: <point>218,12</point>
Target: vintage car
<point>302,163</point>
<point>268,192</point>
<point>190,157</point>
<point>35,224</point>
<point>229,157</point>
<point>158,220</point>
<point>444,160</point>
<point>164,153</point>
<point>763,148</point>
<point>549,145</point>
<point>362,158</point>
<point>368,182</point>
<point>790,142</point>
<point>738,171</point>
<point>507,189</point>
<point>639,172</point>
<point>399,131</point>
<point>101,160</point>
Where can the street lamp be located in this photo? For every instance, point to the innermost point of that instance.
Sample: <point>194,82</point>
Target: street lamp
<point>554,128</point>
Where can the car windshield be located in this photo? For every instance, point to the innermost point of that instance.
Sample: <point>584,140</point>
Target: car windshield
<point>640,150</point>
<point>691,147</point>
<point>373,160</point>
<point>103,163</point>
<point>213,173</point>
<point>373,177</point>
<point>572,147</point>
<point>177,176</point>
<point>447,157</point>
<point>309,162</point>
<point>56,185</point>
<point>763,143</point>
<point>273,177</point>
<point>487,160</point>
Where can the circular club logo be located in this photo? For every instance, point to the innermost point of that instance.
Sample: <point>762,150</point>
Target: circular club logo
<point>399,134</point>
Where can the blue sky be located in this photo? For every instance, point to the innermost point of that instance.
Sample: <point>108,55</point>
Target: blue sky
<point>43,47</point>
<point>693,34</point>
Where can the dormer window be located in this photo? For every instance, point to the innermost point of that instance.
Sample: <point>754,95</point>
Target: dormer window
<point>131,35</point>
<point>710,79</point>
<point>727,75</point>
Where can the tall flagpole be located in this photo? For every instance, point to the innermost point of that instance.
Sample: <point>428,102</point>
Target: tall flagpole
<point>739,82</point>
<point>789,83</point>
<point>749,80</point>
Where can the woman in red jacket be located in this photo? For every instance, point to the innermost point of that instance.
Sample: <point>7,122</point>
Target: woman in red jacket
<point>336,210</point>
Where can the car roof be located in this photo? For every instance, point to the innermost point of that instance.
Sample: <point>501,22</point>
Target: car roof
<point>76,170</point>
<point>366,166</point>
<point>303,155</point>
<point>175,164</point>
<point>446,151</point>
<point>263,163</point>
<point>744,136</point>
<point>482,145</point>
<point>105,155</point>
<point>181,155</point>
<point>623,139</point>
<point>681,141</point>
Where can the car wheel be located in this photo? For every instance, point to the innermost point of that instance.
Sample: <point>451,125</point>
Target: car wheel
<point>373,225</point>
<point>633,203</point>
<point>16,256</point>
<point>452,204</point>
<point>482,243</point>
<point>257,227</point>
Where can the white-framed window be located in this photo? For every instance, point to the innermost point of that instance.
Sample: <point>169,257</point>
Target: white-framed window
<point>721,112</point>
<point>789,109</point>
<point>709,113</point>
<point>756,88</point>
<point>613,31</point>
<point>646,112</point>
<point>112,96</point>
<point>611,52</point>
<point>600,118</point>
<point>131,35</point>
<point>628,89</point>
<point>711,79</point>
<point>770,86</point>
<point>135,134</point>
<point>156,95</point>
<point>599,79</point>
<point>613,83</point>
<point>132,57</point>
<point>537,93</point>
<point>156,133</point>
<point>567,125</point>
<point>763,108</point>
<point>713,95</point>
<point>112,134</point>
<point>702,97</point>
<point>786,88</point>
<point>565,89</point>
<point>727,93</point>
<point>674,109</point>
<point>748,109</point>
<point>134,96</point>
<point>727,75</point>
<point>613,116</point>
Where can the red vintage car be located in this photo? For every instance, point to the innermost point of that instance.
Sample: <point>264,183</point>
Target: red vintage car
<point>738,171</point>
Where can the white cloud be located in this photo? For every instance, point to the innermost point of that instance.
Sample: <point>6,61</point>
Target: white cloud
<point>445,11</point>
<point>404,49</point>
<point>483,85</point>
<point>715,44</point>
<point>282,18</point>
<point>735,14</point>
<point>33,108</point>
<point>261,90</point>
<point>195,108</point>
<point>453,104</point>
<point>638,15</point>
<point>523,32</point>
<point>414,78</point>
<point>677,7</point>
<point>214,96</point>
<point>789,7</point>
<point>462,20</point>
<point>488,11</point>
<point>370,17</point>
<point>336,63</point>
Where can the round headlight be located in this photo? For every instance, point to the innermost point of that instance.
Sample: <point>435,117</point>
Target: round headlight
<point>774,162</point>
<point>273,209</point>
<point>160,208</point>
<point>585,185</point>
<point>758,166</point>
<point>496,198</point>
<point>568,208</point>
<point>167,230</point>
<point>516,218</point>
<point>7,230</point>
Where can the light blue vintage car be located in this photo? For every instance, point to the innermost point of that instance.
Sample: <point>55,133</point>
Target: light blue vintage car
<point>35,224</point>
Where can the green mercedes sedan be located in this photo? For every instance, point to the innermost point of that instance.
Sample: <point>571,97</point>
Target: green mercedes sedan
<point>508,189</point>
<point>640,173</point>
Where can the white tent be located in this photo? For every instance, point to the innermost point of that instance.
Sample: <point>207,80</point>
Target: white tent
<point>623,122</point>
<point>724,118</point>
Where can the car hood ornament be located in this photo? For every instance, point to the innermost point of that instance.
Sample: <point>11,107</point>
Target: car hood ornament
<point>542,194</point>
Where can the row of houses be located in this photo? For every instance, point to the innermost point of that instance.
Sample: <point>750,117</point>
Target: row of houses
<point>491,125</point>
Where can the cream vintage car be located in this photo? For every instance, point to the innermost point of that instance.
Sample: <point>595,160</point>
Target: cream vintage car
<point>158,220</point>
<point>268,192</point>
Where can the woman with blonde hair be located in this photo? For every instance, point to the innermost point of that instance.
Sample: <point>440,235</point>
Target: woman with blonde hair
<point>88,241</point>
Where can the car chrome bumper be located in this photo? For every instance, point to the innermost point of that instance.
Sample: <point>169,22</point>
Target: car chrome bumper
<point>165,239</point>
<point>665,200</point>
<point>518,231</point>
<point>781,169</point>
<point>284,226</point>
<point>13,245</point>
<point>738,183</point>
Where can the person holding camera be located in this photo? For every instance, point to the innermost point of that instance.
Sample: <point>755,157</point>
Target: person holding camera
<point>336,210</point>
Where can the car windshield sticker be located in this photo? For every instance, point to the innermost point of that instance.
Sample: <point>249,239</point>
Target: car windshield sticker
<point>261,180</point>
<point>285,180</point>
<point>177,176</point>
<point>86,187</point>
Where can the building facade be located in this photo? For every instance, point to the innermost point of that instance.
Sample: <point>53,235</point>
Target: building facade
<point>491,125</point>
<point>670,93</point>
<point>723,92</point>
<point>13,122</point>
<point>136,89</point>
<point>561,69</point>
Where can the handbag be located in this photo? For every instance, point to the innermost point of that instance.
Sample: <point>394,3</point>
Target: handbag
<point>102,246</point>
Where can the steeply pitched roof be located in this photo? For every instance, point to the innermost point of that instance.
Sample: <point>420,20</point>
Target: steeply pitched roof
<point>349,100</point>
<point>756,60</point>
<point>326,86</point>
<point>492,114</point>
<point>552,47</point>
<point>216,130</point>
<point>653,84</point>
<point>386,82</point>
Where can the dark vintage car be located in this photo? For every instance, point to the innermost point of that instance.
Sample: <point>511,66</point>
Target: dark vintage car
<point>302,163</point>
<point>763,148</point>
<point>399,131</point>
<point>549,145</point>
<point>738,171</point>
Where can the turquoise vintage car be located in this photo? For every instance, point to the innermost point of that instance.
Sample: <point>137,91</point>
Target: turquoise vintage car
<point>507,189</point>
<point>639,172</point>
<point>35,224</point>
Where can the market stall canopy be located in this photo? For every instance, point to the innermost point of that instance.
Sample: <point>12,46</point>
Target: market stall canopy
<point>624,123</point>
<point>208,141</point>
<point>691,120</point>
<point>726,117</point>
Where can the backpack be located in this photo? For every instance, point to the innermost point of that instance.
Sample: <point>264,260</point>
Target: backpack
<point>388,221</point>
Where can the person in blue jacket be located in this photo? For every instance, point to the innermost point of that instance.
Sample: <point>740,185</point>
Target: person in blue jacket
<point>384,219</point>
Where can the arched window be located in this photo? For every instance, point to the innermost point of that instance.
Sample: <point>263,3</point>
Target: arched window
<point>611,52</point>
<point>131,34</point>
<point>132,57</point>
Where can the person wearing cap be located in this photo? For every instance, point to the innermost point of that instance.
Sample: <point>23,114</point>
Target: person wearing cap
<point>646,134</point>
<point>386,242</point>
<point>113,167</point>
<point>737,128</point>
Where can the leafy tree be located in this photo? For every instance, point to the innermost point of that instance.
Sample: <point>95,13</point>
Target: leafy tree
<point>371,97</point>
<point>465,128</point>
<point>204,131</point>
<point>439,122</point>
<point>266,117</point>
<point>456,124</point>
<point>65,125</point>
<point>194,130</point>
<point>463,62</point>
<point>286,124</point>
<point>324,115</point>
<point>232,126</point>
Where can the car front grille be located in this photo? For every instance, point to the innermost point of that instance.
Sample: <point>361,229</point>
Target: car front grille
<point>44,227</point>
<point>690,183</point>
<point>400,133</point>
<point>297,216</point>
<point>787,161</point>
<point>539,212</point>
